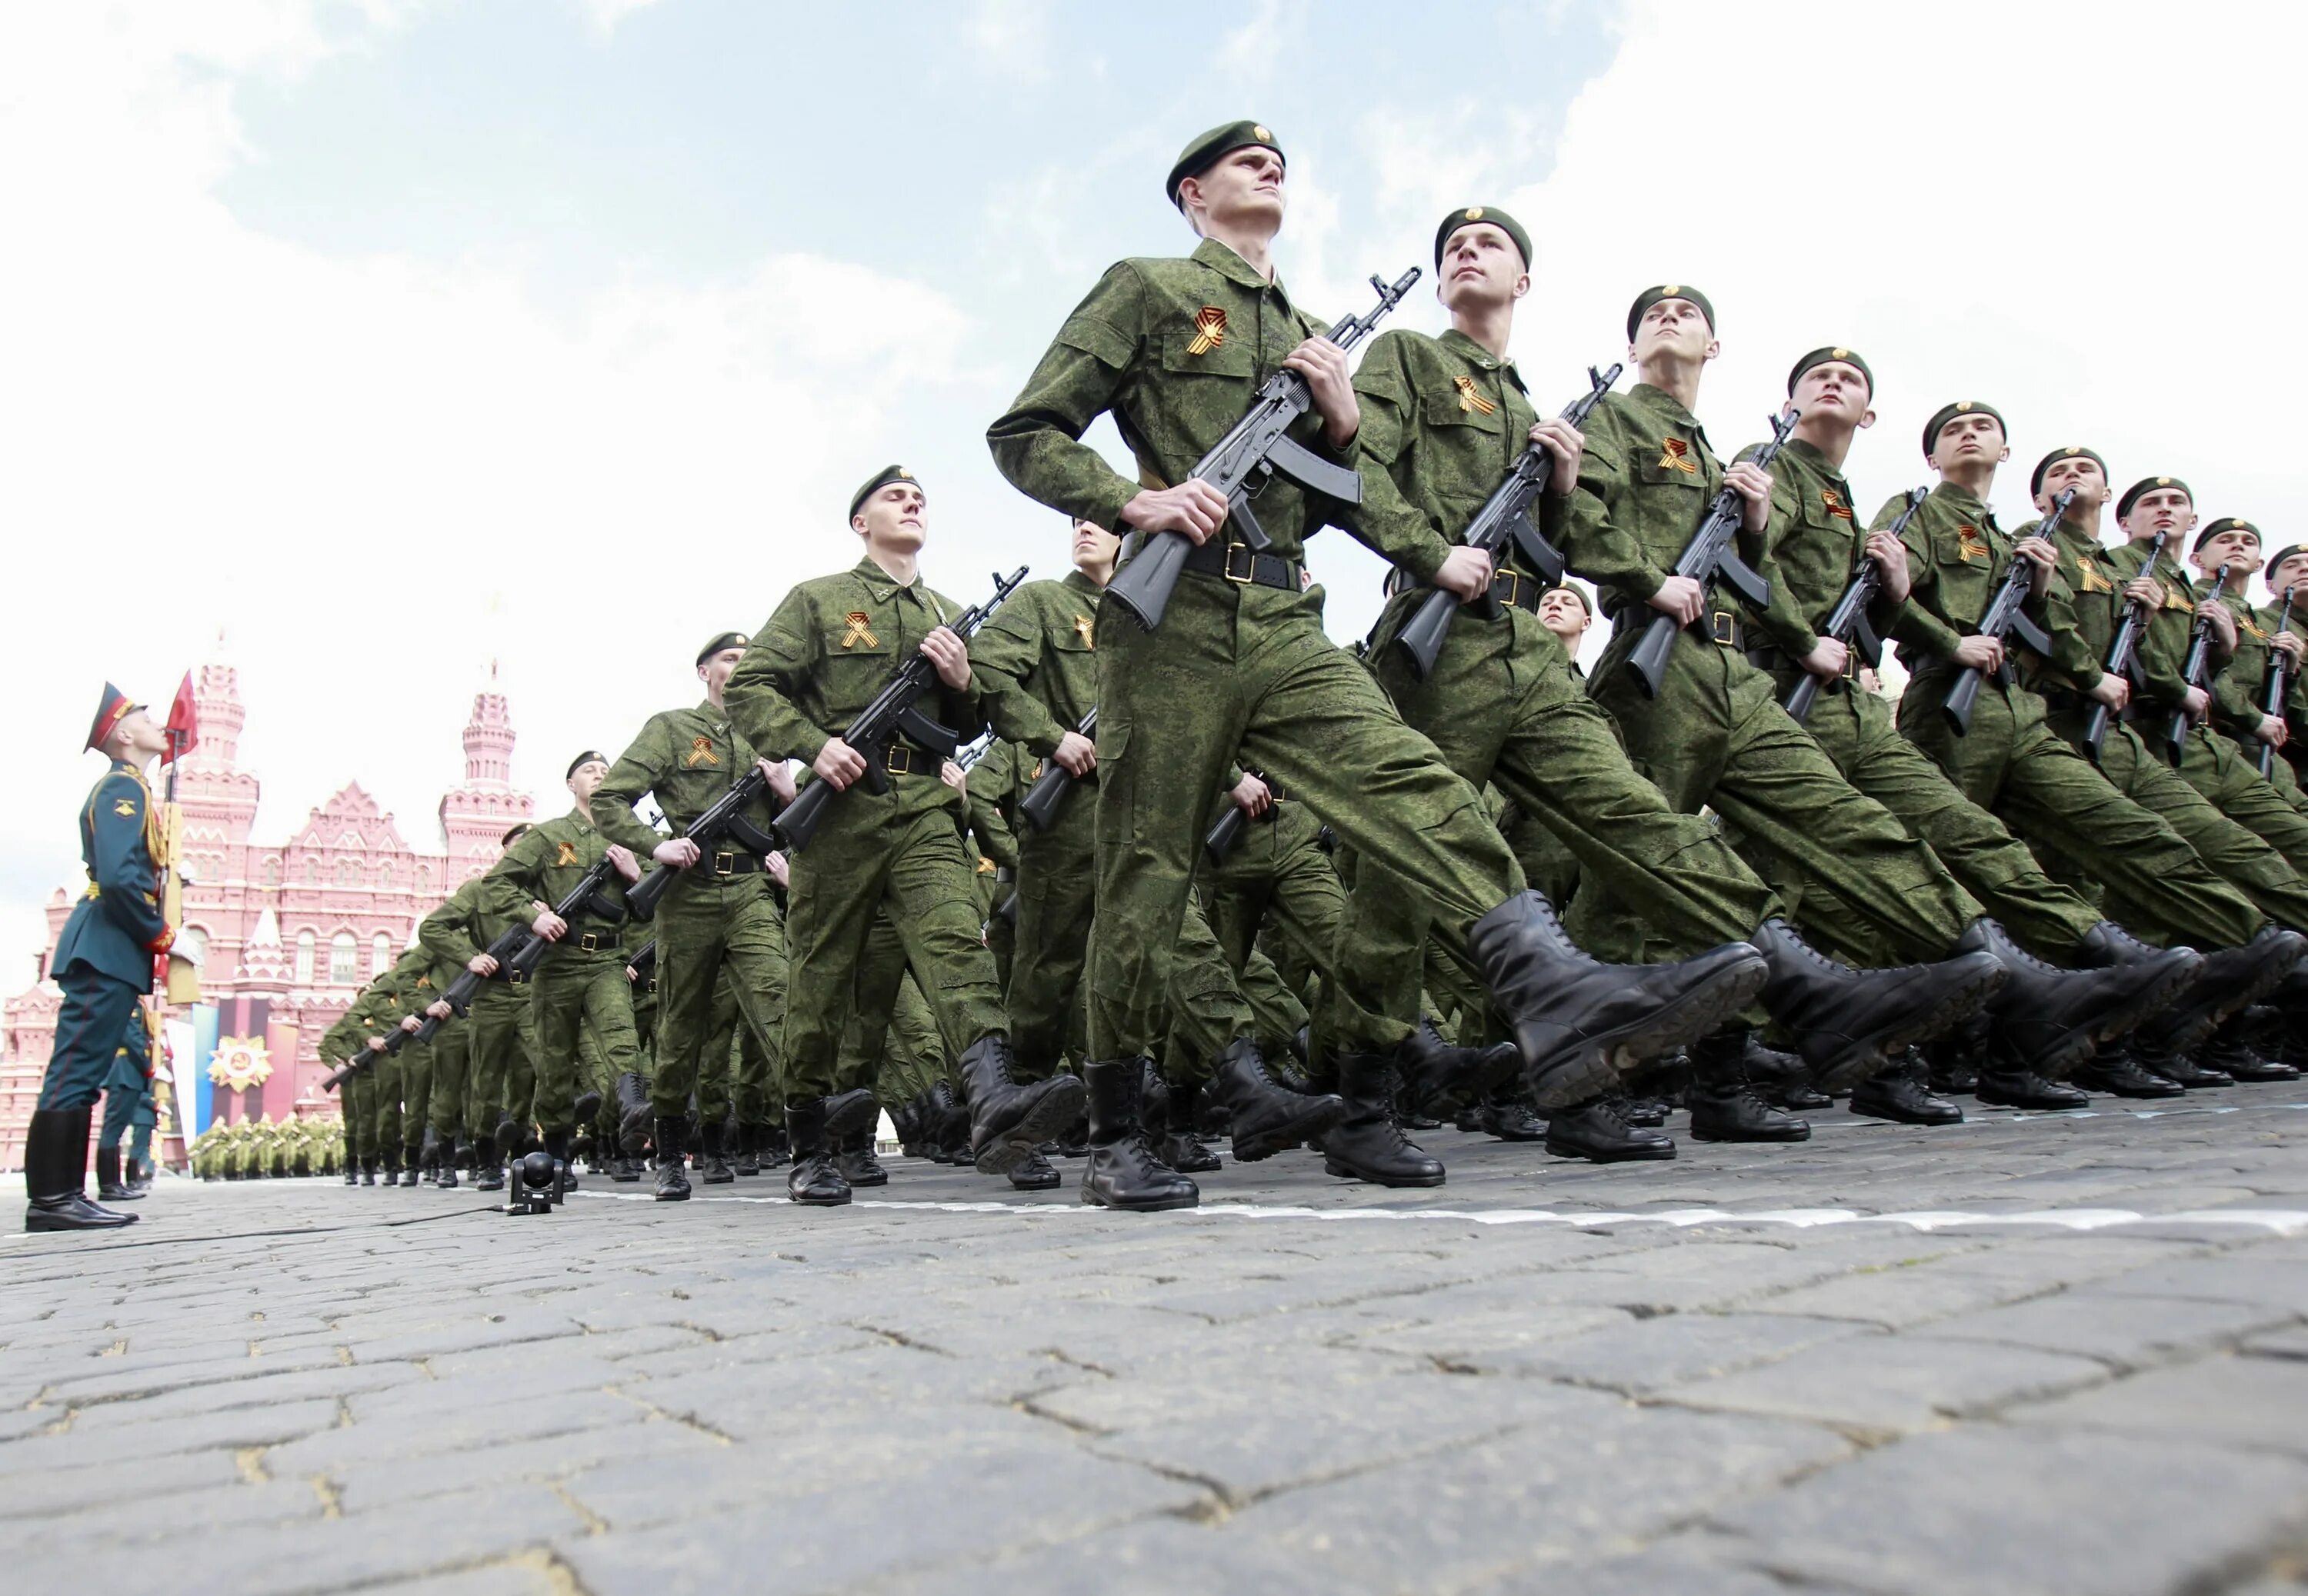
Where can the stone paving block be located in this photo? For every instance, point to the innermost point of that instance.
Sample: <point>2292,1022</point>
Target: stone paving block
<point>380,1383</point>
<point>1652,1354</point>
<point>237,1509</point>
<point>2270,1274</point>
<point>2024,1512</point>
<point>239,1428</point>
<point>528,1576</point>
<point>2236,1401</point>
<point>374,1482</point>
<point>388,1435</point>
<point>1886,1385</point>
<point>1687,1563</point>
<point>2123,1330</point>
<point>1161,1554</point>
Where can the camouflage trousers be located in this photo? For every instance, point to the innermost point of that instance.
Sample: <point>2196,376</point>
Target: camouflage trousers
<point>379,1083</point>
<point>1210,1006</point>
<point>417,1062</point>
<point>892,1042</point>
<point>452,1043</point>
<point>1057,890</point>
<point>719,940</point>
<point>2231,782</point>
<point>574,987</point>
<point>1242,672</point>
<point>499,1074</point>
<point>734,1071</point>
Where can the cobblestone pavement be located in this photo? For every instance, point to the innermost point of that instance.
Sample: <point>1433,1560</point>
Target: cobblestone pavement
<point>2062,1354</point>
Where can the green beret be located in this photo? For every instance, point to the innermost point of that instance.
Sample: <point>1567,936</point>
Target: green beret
<point>729,639</point>
<point>588,755</point>
<point>2226,523</point>
<point>1947,412</point>
<point>1215,146</point>
<point>2281,555</point>
<point>1651,296</point>
<point>882,479</point>
<point>1820,358</point>
<point>1480,213</point>
<point>2036,481</point>
<point>2149,484</point>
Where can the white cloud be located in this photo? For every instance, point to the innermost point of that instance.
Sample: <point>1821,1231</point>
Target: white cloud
<point>604,16</point>
<point>1010,40</point>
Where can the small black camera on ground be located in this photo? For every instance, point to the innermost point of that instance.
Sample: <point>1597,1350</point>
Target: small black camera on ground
<point>535,1186</point>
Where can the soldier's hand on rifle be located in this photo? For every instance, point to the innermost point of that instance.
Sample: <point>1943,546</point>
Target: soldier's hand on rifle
<point>1193,509</point>
<point>2039,552</point>
<point>2195,703</point>
<point>2289,645</point>
<point>1465,574</point>
<point>1828,660</point>
<point>1252,796</point>
<point>439,1009</point>
<point>633,976</point>
<point>2147,589</point>
<point>779,776</point>
<point>954,777</point>
<point>949,653</point>
<point>482,966</point>
<point>838,764</point>
<point>1754,484</point>
<point>1567,445</point>
<point>1891,557</point>
<point>2272,731</point>
<point>777,871</point>
<point>1984,655</point>
<point>2223,622</point>
<point>623,858</point>
<point>1323,364</point>
<point>549,925</point>
<point>1076,754</point>
<point>410,1022</point>
<point>376,1044</point>
<point>678,851</point>
<point>2111,690</point>
<point>1681,596</point>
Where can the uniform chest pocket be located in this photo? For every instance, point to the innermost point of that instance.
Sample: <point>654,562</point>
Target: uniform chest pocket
<point>859,647</point>
<point>1207,343</point>
<point>1077,634</point>
<point>1464,409</point>
<point>1671,463</point>
<point>1963,548</point>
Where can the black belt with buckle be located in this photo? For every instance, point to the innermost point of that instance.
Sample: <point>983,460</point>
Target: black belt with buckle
<point>1238,563</point>
<point>1509,588</point>
<point>900,760</point>
<point>730,861</point>
<point>1726,628</point>
<point>598,942</point>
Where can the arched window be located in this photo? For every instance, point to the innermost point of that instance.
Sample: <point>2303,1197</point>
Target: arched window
<point>347,874</point>
<point>342,953</point>
<point>380,953</point>
<point>312,870</point>
<point>273,869</point>
<point>385,875</point>
<point>424,880</point>
<point>305,945</point>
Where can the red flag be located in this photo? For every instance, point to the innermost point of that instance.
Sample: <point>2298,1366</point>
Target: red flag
<point>184,722</point>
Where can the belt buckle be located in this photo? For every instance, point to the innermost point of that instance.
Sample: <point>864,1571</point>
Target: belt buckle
<point>589,941</point>
<point>899,760</point>
<point>724,863</point>
<point>1512,597</point>
<point>1249,564</point>
<point>1725,625</point>
<point>1850,663</point>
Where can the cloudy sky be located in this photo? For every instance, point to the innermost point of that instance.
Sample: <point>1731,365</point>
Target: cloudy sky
<point>388,338</point>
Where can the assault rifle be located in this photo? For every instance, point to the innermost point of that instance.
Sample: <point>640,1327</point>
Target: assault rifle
<point>1040,804</point>
<point>1226,834</point>
<point>2192,674</point>
<point>2003,620</point>
<point>1847,622</point>
<point>394,1041</point>
<point>2279,684</point>
<point>892,713</point>
<point>1241,461</point>
<point>726,818</point>
<point>2122,656</point>
<point>1708,557</point>
<point>518,948</point>
<point>1504,519</point>
<point>643,961</point>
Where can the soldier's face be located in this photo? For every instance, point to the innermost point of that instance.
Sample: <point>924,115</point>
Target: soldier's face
<point>2079,472</point>
<point>1834,387</point>
<point>2233,550</point>
<point>1094,547</point>
<point>894,516</point>
<point>2164,510</point>
<point>1481,267</point>
<point>1970,439</point>
<point>139,737</point>
<point>715,671</point>
<point>1674,327</point>
<point>1562,614</point>
<point>1242,190</point>
<point>2289,575</point>
<point>586,779</point>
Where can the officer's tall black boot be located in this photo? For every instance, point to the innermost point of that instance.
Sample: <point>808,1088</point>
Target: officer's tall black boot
<point>110,1187</point>
<point>2052,1018</point>
<point>1009,1120</point>
<point>1124,1170</point>
<point>1368,1144</point>
<point>672,1136</point>
<point>813,1180</point>
<point>1724,1106</point>
<point>1169,1112</point>
<point>1849,1024</point>
<point>55,1175</point>
<point>1266,1116</point>
<point>1582,1022</point>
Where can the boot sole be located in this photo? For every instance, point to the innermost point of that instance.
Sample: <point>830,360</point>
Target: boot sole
<point>1331,1166</point>
<point>1660,1154</point>
<point>1054,1113</point>
<point>2062,1057</point>
<point>1159,1205</point>
<point>1600,1062</point>
<point>1896,1119</point>
<point>1871,1054</point>
<point>1323,1115</point>
<point>818,1202</point>
<point>1697,1134</point>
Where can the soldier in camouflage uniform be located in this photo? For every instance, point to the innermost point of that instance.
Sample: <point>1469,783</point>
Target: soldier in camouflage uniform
<point>2239,690</point>
<point>717,915</point>
<point>499,1027</point>
<point>832,645</point>
<point>337,1046</point>
<point>583,977</point>
<point>1176,352</point>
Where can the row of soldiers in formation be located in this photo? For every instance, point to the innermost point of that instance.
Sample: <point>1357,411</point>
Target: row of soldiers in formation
<point>1657,869</point>
<point>263,1149</point>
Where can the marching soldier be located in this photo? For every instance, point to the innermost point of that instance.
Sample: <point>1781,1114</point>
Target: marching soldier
<point>717,915</point>
<point>832,645</point>
<point>2228,552</point>
<point>103,963</point>
<point>497,1023</point>
<point>1175,351</point>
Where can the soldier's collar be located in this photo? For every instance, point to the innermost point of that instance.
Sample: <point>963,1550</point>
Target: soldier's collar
<point>1080,584</point>
<point>879,583</point>
<point>707,709</point>
<point>1813,456</point>
<point>1231,266</point>
<point>1958,497</point>
<point>1474,354</point>
<point>1659,399</point>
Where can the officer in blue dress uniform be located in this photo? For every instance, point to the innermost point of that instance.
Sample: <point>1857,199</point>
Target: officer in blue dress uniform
<point>127,1105</point>
<point>104,963</point>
